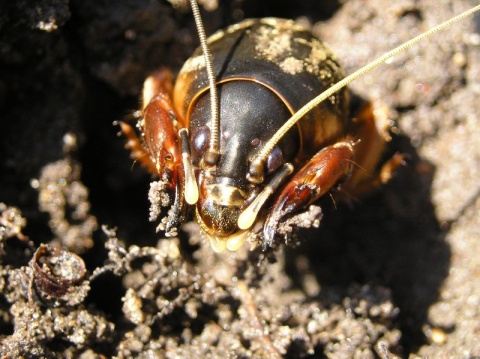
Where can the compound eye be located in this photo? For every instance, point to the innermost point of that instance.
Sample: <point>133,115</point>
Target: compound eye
<point>275,160</point>
<point>200,140</point>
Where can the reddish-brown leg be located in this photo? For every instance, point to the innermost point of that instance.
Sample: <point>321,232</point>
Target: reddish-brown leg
<point>316,178</point>
<point>159,123</point>
<point>351,162</point>
<point>161,153</point>
<point>134,145</point>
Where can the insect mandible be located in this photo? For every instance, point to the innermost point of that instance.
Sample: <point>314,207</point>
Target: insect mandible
<point>255,130</point>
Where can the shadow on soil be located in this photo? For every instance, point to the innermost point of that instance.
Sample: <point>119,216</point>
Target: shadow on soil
<point>391,238</point>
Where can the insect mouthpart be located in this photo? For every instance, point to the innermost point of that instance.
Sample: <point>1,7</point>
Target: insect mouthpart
<point>219,206</point>
<point>218,209</point>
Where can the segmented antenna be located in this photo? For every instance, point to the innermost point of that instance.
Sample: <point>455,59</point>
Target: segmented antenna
<point>258,163</point>
<point>211,157</point>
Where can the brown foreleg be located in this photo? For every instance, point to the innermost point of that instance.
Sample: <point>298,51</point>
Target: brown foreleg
<point>161,152</point>
<point>351,164</point>
<point>316,178</point>
<point>157,119</point>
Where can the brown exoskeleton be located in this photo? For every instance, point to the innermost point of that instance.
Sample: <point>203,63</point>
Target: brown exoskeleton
<point>245,137</point>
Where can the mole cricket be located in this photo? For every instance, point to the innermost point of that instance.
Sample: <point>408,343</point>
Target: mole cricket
<point>256,128</point>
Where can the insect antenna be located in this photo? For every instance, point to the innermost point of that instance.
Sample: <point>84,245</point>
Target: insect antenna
<point>257,165</point>
<point>211,157</point>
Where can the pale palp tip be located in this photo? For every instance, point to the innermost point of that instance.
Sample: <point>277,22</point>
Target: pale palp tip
<point>249,215</point>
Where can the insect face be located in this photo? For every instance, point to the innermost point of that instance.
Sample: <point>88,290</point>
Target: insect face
<point>249,115</point>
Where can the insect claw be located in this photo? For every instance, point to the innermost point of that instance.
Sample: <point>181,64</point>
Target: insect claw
<point>269,235</point>
<point>175,215</point>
